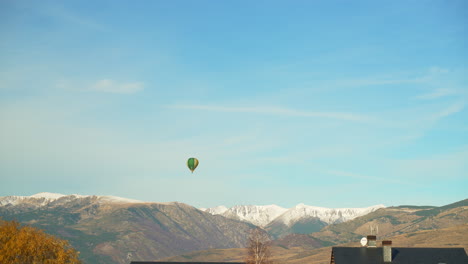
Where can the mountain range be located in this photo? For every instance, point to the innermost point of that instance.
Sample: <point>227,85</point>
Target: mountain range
<point>302,219</point>
<point>406,226</point>
<point>109,229</point>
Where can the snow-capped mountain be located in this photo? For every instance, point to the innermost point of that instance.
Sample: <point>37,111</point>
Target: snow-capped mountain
<point>275,219</point>
<point>107,228</point>
<point>264,215</point>
<point>46,195</point>
<point>255,214</point>
<point>218,210</point>
<point>45,198</point>
<point>327,215</point>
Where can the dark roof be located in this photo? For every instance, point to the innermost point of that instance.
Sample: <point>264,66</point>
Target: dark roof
<point>364,255</point>
<point>185,262</point>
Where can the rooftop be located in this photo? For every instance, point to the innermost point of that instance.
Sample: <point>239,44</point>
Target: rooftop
<point>363,255</point>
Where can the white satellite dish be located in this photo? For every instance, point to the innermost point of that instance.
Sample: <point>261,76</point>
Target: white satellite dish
<point>363,241</point>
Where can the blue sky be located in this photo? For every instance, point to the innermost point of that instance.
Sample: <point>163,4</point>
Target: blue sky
<point>327,103</point>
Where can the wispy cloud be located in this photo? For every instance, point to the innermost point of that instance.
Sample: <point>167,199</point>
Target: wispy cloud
<point>448,165</point>
<point>110,86</point>
<point>437,70</point>
<point>63,14</point>
<point>388,79</point>
<point>280,111</point>
<point>436,94</point>
<point>376,81</point>
<point>104,86</point>
<point>453,109</point>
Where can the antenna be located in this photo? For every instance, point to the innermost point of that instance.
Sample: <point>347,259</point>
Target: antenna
<point>363,241</point>
<point>374,229</point>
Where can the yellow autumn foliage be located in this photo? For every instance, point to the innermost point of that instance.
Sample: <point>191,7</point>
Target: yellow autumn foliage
<point>29,245</point>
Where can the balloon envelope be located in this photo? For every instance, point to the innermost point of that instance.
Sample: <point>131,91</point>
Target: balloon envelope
<point>192,164</point>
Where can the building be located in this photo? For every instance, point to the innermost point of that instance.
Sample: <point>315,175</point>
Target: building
<point>371,254</point>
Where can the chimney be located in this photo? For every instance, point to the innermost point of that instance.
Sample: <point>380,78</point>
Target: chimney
<point>371,241</point>
<point>387,251</point>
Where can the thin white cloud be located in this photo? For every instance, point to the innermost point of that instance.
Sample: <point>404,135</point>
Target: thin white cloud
<point>449,165</point>
<point>276,111</point>
<point>437,70</point>
<point>437,94</point>
<point>110,86</point>
<point>426,77</point>
<point>453,109</point>
<point>104,86</point>
<point>65,15</point>
<point>372,81</point>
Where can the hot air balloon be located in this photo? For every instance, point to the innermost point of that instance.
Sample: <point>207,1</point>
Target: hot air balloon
<point>192,164</point>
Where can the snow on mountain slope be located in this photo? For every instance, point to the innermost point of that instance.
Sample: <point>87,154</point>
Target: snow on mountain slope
<point>116,199</point>
<point>44,198</point>
<point>264,215</point>
<point>215,210</point>
<point>47,195</point>
<point>327,215</point>
<point>259,215</point>
<point>255,214</point>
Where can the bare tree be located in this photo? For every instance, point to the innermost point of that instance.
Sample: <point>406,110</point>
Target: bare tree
<point>258,248</point>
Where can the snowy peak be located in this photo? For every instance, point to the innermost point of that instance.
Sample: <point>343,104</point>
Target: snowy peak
<point>47,195</point>
<point>266,214</point>
<point>255,214</point>
<point>215,210</point>
<point>116,199</point>
<point>45,198</point>
<point>327,215</point>
<point>259,215</point>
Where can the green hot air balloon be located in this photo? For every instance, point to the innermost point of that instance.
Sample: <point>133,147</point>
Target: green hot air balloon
<point>192,164</point>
